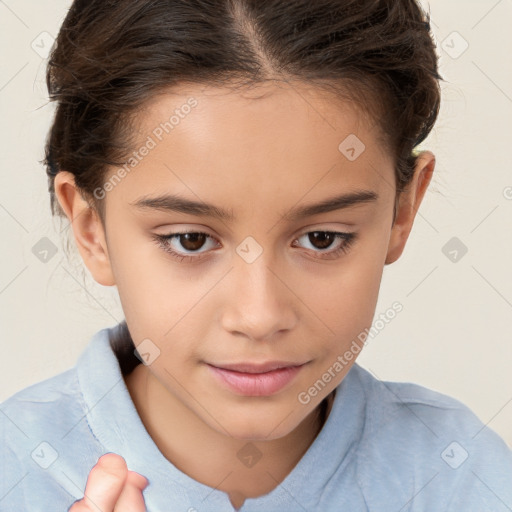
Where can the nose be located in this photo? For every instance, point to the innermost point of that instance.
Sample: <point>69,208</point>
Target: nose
<point>258,302</point>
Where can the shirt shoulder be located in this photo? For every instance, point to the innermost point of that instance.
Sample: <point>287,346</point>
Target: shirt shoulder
<point>432,449</point>
<point>46,408</point>
<point>44,441</point>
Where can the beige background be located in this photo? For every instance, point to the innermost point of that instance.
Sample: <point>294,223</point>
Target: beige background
<point>453,334</point>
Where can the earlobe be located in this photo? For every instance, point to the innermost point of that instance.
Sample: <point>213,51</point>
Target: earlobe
<point>409,203</point>
<point>87,228</point>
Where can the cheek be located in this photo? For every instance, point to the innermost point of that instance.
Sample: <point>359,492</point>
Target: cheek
<point>146,292</point>
<point>345,298</point>
<point>160,300</point>
<point>348,290</point>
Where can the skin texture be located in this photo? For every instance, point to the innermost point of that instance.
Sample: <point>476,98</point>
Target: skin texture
<point>257,158</point>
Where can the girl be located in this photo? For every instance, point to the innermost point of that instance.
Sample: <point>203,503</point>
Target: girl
<point>242,171</point>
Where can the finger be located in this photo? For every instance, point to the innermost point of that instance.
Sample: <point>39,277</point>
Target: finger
<point>131,499</point>
<point>77,506</point>
<point>105,483</point>
<point>137,479</point>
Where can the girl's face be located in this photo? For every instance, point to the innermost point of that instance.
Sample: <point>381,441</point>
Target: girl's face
<point>266,282</point>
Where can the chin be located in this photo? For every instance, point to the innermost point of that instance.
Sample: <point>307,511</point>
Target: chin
<point>258,433</point>
<point>256,425</point>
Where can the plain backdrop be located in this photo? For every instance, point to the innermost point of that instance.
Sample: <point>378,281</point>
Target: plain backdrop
<point>454,279</point>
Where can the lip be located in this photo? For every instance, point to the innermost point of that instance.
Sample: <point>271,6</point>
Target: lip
<point>251,379</point>
<point>257,367</point>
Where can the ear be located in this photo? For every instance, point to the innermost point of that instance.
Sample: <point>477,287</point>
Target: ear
<point>87,228</point>
<point>409,203</point>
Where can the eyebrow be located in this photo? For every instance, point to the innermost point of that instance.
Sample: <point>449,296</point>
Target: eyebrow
<point>174,203</point>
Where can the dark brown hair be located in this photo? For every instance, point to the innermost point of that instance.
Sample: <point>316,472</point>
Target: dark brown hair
<point>111,56</point>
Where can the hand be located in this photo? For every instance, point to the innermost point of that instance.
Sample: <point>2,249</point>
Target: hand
<point>111,487</point>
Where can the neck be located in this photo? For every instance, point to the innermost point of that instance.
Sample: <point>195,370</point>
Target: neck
<point>207,455</point>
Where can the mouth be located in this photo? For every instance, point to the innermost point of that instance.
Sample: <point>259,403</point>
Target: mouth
<point>251,379</point>
<point>257,367</point>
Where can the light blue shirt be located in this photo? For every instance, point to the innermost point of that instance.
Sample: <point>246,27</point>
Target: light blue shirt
<point>393,447</point>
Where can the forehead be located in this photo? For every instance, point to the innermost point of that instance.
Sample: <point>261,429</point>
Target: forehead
<point>240,144</point>
<point>298,110</point>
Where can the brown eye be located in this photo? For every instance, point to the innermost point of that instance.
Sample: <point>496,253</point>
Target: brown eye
<point>192,241</point>
<point>184,246</point>
<point>321,239</point>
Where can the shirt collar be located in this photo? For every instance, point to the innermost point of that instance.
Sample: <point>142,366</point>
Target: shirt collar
<point>114,421</point>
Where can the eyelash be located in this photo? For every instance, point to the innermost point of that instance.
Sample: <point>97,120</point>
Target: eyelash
<point>163,242</point>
